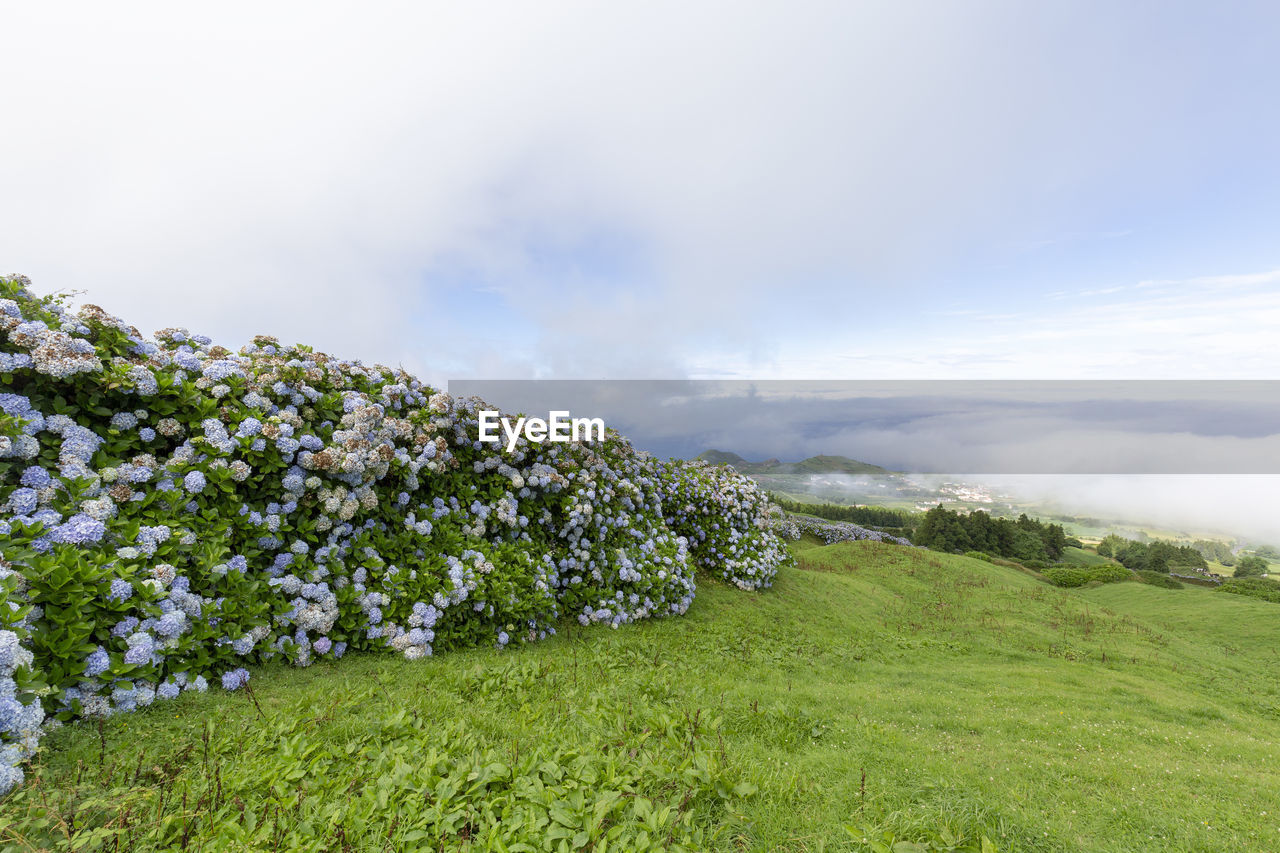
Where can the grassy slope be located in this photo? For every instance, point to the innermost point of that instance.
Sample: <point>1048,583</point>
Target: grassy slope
<point>975,698</point>
<point>1080,557</point>
<point>1218,569</point>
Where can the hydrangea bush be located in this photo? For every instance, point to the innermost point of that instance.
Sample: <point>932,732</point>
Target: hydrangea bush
<point>727,520</point>
<point>792,527</point>
<point>172,512</point>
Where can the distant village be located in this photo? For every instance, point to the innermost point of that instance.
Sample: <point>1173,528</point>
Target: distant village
<point>961,492</point>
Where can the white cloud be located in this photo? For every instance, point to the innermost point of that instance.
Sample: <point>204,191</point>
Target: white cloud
<point>318,171</point>
<point>1188,330</point>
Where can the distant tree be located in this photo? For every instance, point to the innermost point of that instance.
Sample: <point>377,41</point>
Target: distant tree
<point>1055,540</point>
<point>1212,549</point>
<point>1111,545</point>
<point>1268,552</point>
<point>982,533</point>
<point>1026,539</point>
<point>1133,555</point>
<point>1028,546</point>
<point>943,530</point>
<point>1251,566</point>
<point>1159,556</point>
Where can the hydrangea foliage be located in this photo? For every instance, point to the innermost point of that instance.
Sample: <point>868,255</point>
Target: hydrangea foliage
<point>172,513</point>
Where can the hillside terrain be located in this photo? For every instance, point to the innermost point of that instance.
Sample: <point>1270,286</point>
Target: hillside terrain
<point>877,694</point>
<point>821,464</point>
<point>839,480</point>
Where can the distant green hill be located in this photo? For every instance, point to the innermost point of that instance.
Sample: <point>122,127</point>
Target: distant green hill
<point>812,465</point>
<point>837,465</point>
<point>721,457</point>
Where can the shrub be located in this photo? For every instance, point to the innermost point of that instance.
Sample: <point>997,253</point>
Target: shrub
<point>1109,574</point>
<point>1066,577</point>
<point>978,555</point>
<point>1262,588</point>
<point>792,527</point>
<point>1158,579</point>
<point>172,512</point>
<point>1251,566</point>
<point>726,519</point>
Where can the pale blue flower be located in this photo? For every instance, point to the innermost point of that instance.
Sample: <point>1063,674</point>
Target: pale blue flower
<point>97,663</point>
<point>235,679</point>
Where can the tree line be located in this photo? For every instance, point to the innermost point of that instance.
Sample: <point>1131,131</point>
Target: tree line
<point>1156,556</point>
<point>1025,539</point>
<point>1216,551</point>
<point>872,516</point>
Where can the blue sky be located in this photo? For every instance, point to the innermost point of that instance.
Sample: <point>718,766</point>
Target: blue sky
<point>813,190</point>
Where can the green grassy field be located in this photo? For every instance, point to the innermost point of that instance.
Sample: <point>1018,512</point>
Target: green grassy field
<point>876,695</point>
<point>1218,569</point>
<point>1080,557</point>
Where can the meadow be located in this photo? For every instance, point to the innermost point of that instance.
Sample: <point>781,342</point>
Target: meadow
<point>878,697</point>
<point>1072,556</point>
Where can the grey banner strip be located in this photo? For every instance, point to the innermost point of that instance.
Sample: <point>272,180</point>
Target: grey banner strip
<point>932,426</point>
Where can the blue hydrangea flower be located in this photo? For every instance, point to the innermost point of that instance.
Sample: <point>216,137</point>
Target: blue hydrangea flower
<point>80,529</point>
<point>36,477</point>
<point>235,679</point>
<point>141,647</point>
<point>97,663</point>
<point>171,624</point>
<point>23,501</point>
<point>121,590</point>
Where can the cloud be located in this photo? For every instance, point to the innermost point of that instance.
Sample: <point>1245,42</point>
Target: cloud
<point>657,189</point>
<point>1221,327</point>
<point>942,427</point>
<point>1236,506</point>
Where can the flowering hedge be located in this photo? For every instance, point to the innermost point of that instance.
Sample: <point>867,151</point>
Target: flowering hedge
<point>792,527</point>
<point>172,512</point>
<point>726,518</point>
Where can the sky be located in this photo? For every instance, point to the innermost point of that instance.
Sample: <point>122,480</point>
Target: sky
<point>977,190</point>
<point>1006,427</point>
<point>663,190</point>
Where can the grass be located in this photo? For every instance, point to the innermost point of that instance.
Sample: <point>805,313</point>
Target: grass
<point>1218,569</point>
<point>876,695</point>
<point>1072,556</point>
